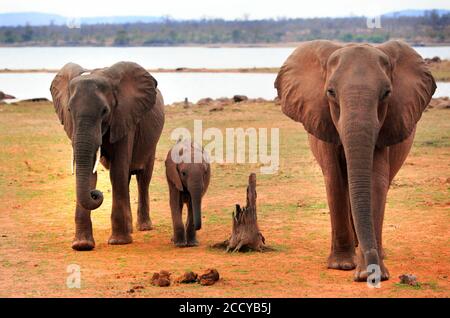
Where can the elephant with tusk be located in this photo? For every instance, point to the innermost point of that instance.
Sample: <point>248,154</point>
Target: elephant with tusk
<point>115,116</point>
<point>97,161</point>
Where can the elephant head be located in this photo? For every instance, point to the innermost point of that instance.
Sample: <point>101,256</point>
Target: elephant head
<point>96,106</point>
<point>359,96</point>
<point>188,170</point>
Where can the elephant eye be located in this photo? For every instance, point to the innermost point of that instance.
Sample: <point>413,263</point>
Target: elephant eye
<point>331,92</point>
<point>183,173</point>
<point>386,94</point>
<point>104,111</point>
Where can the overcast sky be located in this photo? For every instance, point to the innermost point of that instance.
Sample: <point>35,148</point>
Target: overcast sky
<point>228,9</point>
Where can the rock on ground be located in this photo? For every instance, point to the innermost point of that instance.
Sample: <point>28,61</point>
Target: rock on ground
<point>408,279</point>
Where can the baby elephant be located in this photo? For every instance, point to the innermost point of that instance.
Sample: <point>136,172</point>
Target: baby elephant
<point>188,173</point>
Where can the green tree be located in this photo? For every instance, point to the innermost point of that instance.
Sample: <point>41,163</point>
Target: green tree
<point>121,38</point>
<point>236,35</point>
<point>27,34</point>
<point>9,37</point>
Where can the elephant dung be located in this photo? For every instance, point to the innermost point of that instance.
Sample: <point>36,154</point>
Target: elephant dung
<point>209,277</point>
<point>161,279</point>
<point>187,278</point>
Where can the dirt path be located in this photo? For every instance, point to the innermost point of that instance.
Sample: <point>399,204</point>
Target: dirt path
<point>37,202</point>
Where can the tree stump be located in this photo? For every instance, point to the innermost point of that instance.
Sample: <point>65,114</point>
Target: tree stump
<point>245,233</point>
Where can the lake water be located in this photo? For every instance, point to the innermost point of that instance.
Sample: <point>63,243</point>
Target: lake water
<point>174,86</point>
<point>159,57</point>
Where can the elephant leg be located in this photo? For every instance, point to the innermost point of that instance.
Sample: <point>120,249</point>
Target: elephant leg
<point>121,210</point>
<point>191,239</point>
<point>342,255</point>
<point>343,240</point>
<point>84,239</point>
<point>380,187</point>
<point>176,208</point>
<point>143,177</point>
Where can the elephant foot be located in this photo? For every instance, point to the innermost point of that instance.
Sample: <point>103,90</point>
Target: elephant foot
<point>342,261</point>
<point>178,242</point>
<point>191,243</point>
<point>144,226</point>
<point>361,273</point>
<point>83,244</point>
<point>120,239</point>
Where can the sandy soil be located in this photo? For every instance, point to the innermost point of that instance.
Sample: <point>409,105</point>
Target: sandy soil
<point>37,211</point>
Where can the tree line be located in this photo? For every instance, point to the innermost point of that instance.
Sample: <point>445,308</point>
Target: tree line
<point>430,28</point>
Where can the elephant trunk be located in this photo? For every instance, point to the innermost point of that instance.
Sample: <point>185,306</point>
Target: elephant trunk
<point>358,135</point>
<point>196,197</point>
<point>84,153</point>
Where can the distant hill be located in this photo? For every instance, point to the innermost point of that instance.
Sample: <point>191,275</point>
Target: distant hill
<point>31,18</point>
<point>40,19</point>
<point>414,13</point>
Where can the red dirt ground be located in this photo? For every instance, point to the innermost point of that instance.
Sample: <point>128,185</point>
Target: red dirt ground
<point>37,204</point>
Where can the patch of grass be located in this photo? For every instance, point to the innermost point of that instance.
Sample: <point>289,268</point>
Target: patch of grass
<point>283,248</point>
<point>6,263</point>
<point>406,286</point>
<point>222,218</point>
<point>441,71</point>
<point>241,271</point>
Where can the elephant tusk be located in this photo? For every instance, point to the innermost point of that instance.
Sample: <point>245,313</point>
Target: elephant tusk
<point>97,160</point>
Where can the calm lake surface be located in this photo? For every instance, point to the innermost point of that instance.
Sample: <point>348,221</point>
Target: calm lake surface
<point>159,57</point>
<point>174,86</point>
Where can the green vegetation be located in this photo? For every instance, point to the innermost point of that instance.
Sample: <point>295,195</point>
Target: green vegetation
<point>430,28</point>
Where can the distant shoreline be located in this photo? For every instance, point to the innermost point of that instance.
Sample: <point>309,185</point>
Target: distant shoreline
<point>164,70</point>
<point>440,71</point>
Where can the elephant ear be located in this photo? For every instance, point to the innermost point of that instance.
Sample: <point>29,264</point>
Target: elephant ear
<point>301,88</point>
<point>135,93</point>
<point>60,93</point>
<point>172,172</point>
<point>412,88</point>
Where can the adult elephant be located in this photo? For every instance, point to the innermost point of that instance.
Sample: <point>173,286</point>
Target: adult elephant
<point>360,105</point>
<point>114,115</point>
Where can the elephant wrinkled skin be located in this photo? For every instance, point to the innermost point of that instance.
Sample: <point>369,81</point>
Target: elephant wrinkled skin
<point>188,181</point>
<point>114,115</point>
<point>360,105</point>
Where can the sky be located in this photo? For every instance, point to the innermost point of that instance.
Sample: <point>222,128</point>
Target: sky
<point>227,9</point>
